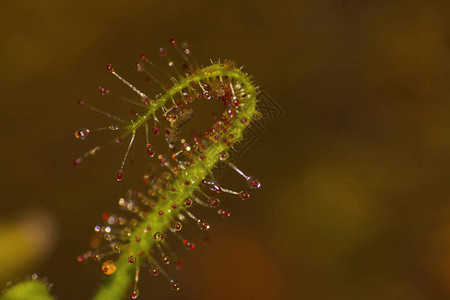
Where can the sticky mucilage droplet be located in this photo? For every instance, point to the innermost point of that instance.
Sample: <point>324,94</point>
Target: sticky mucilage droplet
<point>82,133</point>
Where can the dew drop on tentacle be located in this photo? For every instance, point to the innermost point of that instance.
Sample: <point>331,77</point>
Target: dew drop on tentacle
<point>77,161</point>
<point>139,66</point>
<point>119,175</point>
<point>108,267</point>
<point>223,156</point>
<point>131,259</point>
<point>207,95</point>
<point>177,226</point>
<point>214,202</point>
<point>154,270</point>
<point>253,182</point>
<point>165,259</point>
<point>82,133</point>
<point>135,293</point>
<point>189,245</point>
<point>223,213</point>
<point>203,225</point>
<point>149,150</point>
<point>175,285</point>
<point>158,236</point>
<point>103,90</point>
<point>243,195</point>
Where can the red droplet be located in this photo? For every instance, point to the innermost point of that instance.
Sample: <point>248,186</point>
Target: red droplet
<point>173,41</point>
<point>119,175</point>
<point>103,90</point>
<point>150,150</point>
<point>77,162</point>
<point>244,195</point>
<point>80,102</point>
<point>223,213</point>
<point>155,130</point>
<point>110,68</point>
<point>105,217</point>
<point>214,202</point>
<point>139,66</point>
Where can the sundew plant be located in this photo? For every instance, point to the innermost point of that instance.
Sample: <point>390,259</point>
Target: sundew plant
<point>141,235</point>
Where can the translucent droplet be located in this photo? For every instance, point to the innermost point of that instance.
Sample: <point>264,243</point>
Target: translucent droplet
<point>158,236</point>
<point>243,195</point>
<point>175,285</point>
<point>165,259</point>
<point>131,259</point>
<point>77,161</point>
<point>119,175</point>
<point>189,245</point>
<point>223,213</point>
<point>135,293</point>
<point>139,67</point>
<point>94,150</point>
<point>214,202</point>
<point>127,231</point>
<point>150,150</point>
<point>154,270</point>
<point>177,226</point>
<point>173,41</point>
<point>207,95</point>
<point>223,155</point>
<point>108,267</point>
<point>253,182</point>
<point>203,225</point>
<point>82,133</point>
<point>103,91</point>
<point>216,188</point>
<point>231,113</point>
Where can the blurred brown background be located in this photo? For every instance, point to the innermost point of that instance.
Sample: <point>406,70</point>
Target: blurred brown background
<point>355,198</point>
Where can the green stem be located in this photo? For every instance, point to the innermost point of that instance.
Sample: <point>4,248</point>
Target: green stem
<point>117,284</point>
